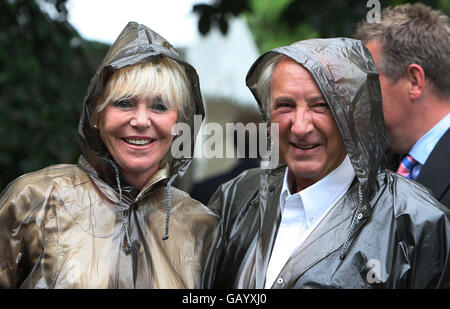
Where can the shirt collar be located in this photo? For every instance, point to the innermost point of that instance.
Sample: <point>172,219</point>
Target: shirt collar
<point>319,197</point>
<point>425,145</point>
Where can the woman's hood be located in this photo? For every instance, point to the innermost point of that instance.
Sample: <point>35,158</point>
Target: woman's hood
<point>136,44</point>
<point>346,75</point>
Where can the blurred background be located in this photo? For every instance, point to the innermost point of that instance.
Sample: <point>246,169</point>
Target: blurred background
<point>50,49</point>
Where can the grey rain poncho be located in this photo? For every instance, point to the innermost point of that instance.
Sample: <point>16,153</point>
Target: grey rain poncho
<point>385,232</point>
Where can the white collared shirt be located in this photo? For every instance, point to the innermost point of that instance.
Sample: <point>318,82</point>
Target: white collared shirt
<point>425,145</point>
<point>302,212</point>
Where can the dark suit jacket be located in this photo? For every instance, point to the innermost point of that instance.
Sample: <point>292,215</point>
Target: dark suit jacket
<point>435,174</point>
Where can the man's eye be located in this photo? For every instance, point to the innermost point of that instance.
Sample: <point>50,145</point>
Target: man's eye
<point>123,103</point>
<point>282,105</point>
<point>321,106</point>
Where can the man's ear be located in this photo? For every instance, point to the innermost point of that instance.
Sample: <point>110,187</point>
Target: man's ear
<point>416,78</point>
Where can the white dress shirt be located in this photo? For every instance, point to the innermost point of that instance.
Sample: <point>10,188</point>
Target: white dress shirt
<point>425,145</point>
<point>302,212</point>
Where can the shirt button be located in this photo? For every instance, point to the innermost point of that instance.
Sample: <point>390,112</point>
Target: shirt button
<point>280,280</point>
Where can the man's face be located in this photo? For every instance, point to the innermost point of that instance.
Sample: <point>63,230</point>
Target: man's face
<point>310,142</point>
<point>394,106</point>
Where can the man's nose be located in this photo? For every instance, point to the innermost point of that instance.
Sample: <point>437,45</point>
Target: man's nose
<point>302,122</point>
<point>141,118</point>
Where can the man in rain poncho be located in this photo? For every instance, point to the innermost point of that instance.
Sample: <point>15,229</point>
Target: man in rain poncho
<point>329,215</point>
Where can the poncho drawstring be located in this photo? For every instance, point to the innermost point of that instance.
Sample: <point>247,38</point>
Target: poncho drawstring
<point>169,205</point>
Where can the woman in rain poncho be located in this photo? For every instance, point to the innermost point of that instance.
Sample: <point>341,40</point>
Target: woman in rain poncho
<point>104,223</point>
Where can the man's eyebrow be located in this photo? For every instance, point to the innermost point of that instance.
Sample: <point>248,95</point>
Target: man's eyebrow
<point>282,98</point>
<point>319,97</point>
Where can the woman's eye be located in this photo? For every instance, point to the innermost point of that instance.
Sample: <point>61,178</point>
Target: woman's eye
<point>123,103</point>
<point>159,106</point>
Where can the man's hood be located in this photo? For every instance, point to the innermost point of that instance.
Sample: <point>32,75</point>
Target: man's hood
<point>136,44</point>
<point>345,73</point>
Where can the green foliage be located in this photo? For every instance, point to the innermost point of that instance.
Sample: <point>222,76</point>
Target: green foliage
<point>268,32</point>
<point>216,14</point>
<point>282,22</point>
<point>444,6</point>
<point>45,68</point>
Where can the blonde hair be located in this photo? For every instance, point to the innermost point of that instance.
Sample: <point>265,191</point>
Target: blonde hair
<point>164,77</point>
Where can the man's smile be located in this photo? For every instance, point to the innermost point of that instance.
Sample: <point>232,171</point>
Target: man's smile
<point>304,146</point>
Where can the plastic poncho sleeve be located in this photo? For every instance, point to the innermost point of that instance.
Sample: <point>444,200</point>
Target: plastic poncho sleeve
<point>431,255</point>
<point>215,204</point>
<point>21,240</point>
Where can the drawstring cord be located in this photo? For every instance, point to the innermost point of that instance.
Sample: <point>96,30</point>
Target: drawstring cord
<point>169,205</point>
<point>124,219</point>
<point>122,208</point>
<point>134,248</point>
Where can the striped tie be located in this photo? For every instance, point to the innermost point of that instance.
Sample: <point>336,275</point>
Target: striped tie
<point>409,167</point>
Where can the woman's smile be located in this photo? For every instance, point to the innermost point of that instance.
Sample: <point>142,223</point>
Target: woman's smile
<point>137,136</point>
<point>138,141</point>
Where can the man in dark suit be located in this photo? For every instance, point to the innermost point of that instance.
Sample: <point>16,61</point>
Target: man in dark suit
<point>410,46</point>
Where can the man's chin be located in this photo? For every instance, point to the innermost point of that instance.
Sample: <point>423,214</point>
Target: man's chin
<point>305,174</point>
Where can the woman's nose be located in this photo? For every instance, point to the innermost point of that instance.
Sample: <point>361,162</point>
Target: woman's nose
<point>141,118</point>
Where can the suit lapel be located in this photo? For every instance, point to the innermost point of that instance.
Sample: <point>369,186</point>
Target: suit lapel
<point>434,174</point>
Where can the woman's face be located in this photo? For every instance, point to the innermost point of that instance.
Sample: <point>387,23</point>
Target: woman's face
<point>137,133</point>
